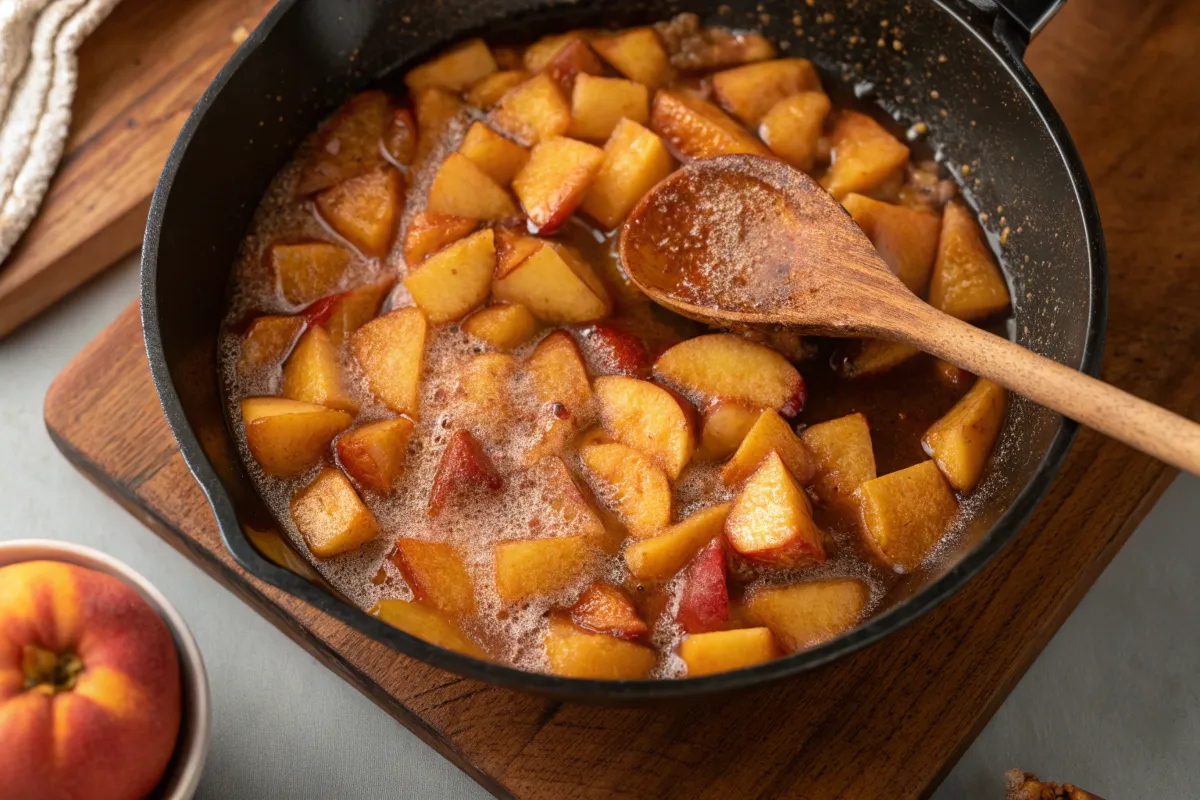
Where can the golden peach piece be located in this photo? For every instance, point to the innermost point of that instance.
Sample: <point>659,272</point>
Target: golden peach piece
<point>435,109</point>
<point>805,615</point>
<point>428,624</point>
<point>461,189</point>
<point>648,418</point>
<point>455,280</point>
<point>841,449</point>
<point>725,365</point>
<point>287,437</point>
<point>551,185</point>
<point>501,159</point>
<point>792,128</point>
<point>504,326</point>
<point>556,285</point>
<point>722,651</point>
<point>436,574</point>
<point>962,440</point>
<point>538,55</point>
<point>966,282</point>
<point>365,210</point>
<point>696,128</point>
<point>307,271</point>
<point>905,238</point>
<point>574,59</point>
<point>347,145</point>
<point>513,246</point>
<point>570,510</point>
<point>374,454</point>
<point>638,54</point>
<point>604,608</point>
<point>331,517</point>
<point>749,92</point>
<point>865,155</point>
<point>906,513</point>
<point>771,520</point>
<point>874,357</point>
<point>532,111</point>
<point>769,434</point>
<point>486,384</point>
<point>540,568</point>
<point>663,555</point>
<point>576,653</point>
<point>390,351</point>
<point>558,372</point>
<point>428,233</point>
<point>456,70</point>
<point>355,308</point>
<point>400,137</point>
<point>313,373</point>
<point>635,159</point>
<point>723,426</point>
<point>488,91</point>
<point>599,104</point>
<point>267,341</point>
<point>636,489</point>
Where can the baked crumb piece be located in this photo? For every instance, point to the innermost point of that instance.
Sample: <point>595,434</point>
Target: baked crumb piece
<point>1026,786</point>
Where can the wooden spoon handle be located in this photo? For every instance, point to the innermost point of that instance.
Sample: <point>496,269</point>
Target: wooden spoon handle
<point>1139,424</point>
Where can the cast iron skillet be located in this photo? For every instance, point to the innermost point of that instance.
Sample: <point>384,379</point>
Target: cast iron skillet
<point>958,68</point>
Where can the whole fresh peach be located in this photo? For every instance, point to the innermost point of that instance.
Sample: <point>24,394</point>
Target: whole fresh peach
<point>89,686</point>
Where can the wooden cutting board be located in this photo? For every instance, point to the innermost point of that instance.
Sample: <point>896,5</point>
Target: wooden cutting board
<point>887,722</point>
<point>140,74</point>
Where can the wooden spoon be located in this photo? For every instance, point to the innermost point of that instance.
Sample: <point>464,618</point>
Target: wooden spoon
<point>744,240</point>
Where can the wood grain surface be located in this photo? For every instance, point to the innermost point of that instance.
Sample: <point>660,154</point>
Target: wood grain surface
<point>140,74</point>
<point>889,721</point>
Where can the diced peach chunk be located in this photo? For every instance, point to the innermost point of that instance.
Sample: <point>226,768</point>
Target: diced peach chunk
<point>556,285</point>
<point>436,574</point>
<point>575,653</point>
<point>455,280</point>
<point>771,520</point>
<point>390,351</point>
<point>573,59</point>
<point>696,128</point>
<point>486,384</point>
<point>962,440</point>
<point>966,282</point>
<point>347,144</point>
<point>533,111</point>
<point>331,517</point>
<point>313,373</point>
<point>749,92</point>
<point>435,109</point>
<point>725,365</point>
<point>632,485</point>
<point>638,54</point>
<point>307,271</point>
<point>805,615</point>
<point>488,91</point>
<point>528,569</point>
<point>769,434</point>
<point>456,70</point>
<point>604,608</point>
<point>400,137</point>
<point>704,600</point>
<point>428,624</point>
<point>427,233</point>
<point>906,513</point>
<point>663,555</point>
<point>267,341</point>
<point>374,454</point>
<point>355,308</point>
<point>513,246</point>
<point>865,156</point>
<point>906,238</point>
<point>570,511</point>
<point>635,159</point>
<point>844,457</point>
<point>615,351</point>
<point>505,326</point>
<point>366,209</point>
<point>874,357</point>
<point>460,188</point>
<point>792,128</point>
<point>538,55</point>
<point>648,418</point>
<point>500,158</point>
<point>722,651</point>
<point>464,473</point>
<point>287,437</point>
<point>553,182</point>
<point>558,372</point>
<point>598,104</point>
<point>723,427</point>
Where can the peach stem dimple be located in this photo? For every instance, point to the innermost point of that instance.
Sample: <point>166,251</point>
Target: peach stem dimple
<point>49,672</point>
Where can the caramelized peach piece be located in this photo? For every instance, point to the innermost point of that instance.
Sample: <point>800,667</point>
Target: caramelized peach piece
<point>464,472</point>
<point>805,615</point>
<point>460,188</point>
<point>696,128</point>
<point>427,233</point>
<point>962,440</point>
<point>604,608</point>
<point>874,357</point>
<point>426,623</point>
<point>435,109</point>
<point>966,281</point>
<point>557,490</point>
<point>769,434</point>
<point>723,427</point>
<point>488,91</point>
<point>553,182</point>
<point>533,111</point>
<point>635,159</point>
<point>313,373</point>
<point>355,308</point>
<point>400,137</point>
<point>390,351</point>
<point>513,246</point>
<point>500,158</point>
<point>366,209</point>
<point>436,574</point>
<point>538,568</point>
<point>307,271</point>
<point>632,485</point>
<point>455,280</point>
<point>599,104</point>
<point>841,449</point>
<point>905,238</point>
<point>267,341</point>
<point>865,156</point>
<point>331,517</point>
<point>704,603</point>
<point>538,55</point>
<point>663,555</point>
<point>556,285</point>
<point>374,454</point>
<point>952,374</point>
<point>614,351</point>
<point>725,365</point>
<point>648,418</point>
<point>486,383</point>
<point>722,651</point>
<point>287,437</point>
<point>638,54</point>
<point>906,513</point>
<point>558,372</point>
<point>347,144</point>
<point>771,520</point>
<point>792,128</point>
<point>749,92</point>
<point>505,326</point>
<point>456,70</point>
<point>572,60</point>
<point>576,653</point>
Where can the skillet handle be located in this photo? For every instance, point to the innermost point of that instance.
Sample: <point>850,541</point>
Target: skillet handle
<point>1030,15</point>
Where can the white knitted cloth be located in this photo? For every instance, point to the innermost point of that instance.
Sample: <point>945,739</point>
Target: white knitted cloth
<point>38,40</point>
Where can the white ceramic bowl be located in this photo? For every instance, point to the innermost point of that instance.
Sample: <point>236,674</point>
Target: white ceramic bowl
<point>183,773</point>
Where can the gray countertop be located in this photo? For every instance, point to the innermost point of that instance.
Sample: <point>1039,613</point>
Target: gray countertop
<point>1112,704</point>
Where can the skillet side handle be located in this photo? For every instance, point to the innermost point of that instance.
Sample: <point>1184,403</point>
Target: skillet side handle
<point>1030,16</point>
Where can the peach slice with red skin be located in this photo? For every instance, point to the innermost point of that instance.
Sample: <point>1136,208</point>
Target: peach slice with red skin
<point>725,365</point>
<point>513,246</point>
<point>428,233</point>
<point>374,454</point>
<point>604,608</point>
<point>704,604</point>
<point>573,59</point>
<point>771,520</point>
<point>631,483</point>
<point>366,209</point>
<point>552,184</point>
<point>347,145</point>
<point>649,418</point>
<point>614,351</point>
<point>465,471</point>
<point>436,573</point>
<point>661,556</point>
<point>696,128</point>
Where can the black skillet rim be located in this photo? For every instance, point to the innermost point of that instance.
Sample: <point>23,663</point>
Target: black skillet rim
<point>1007,45</point>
